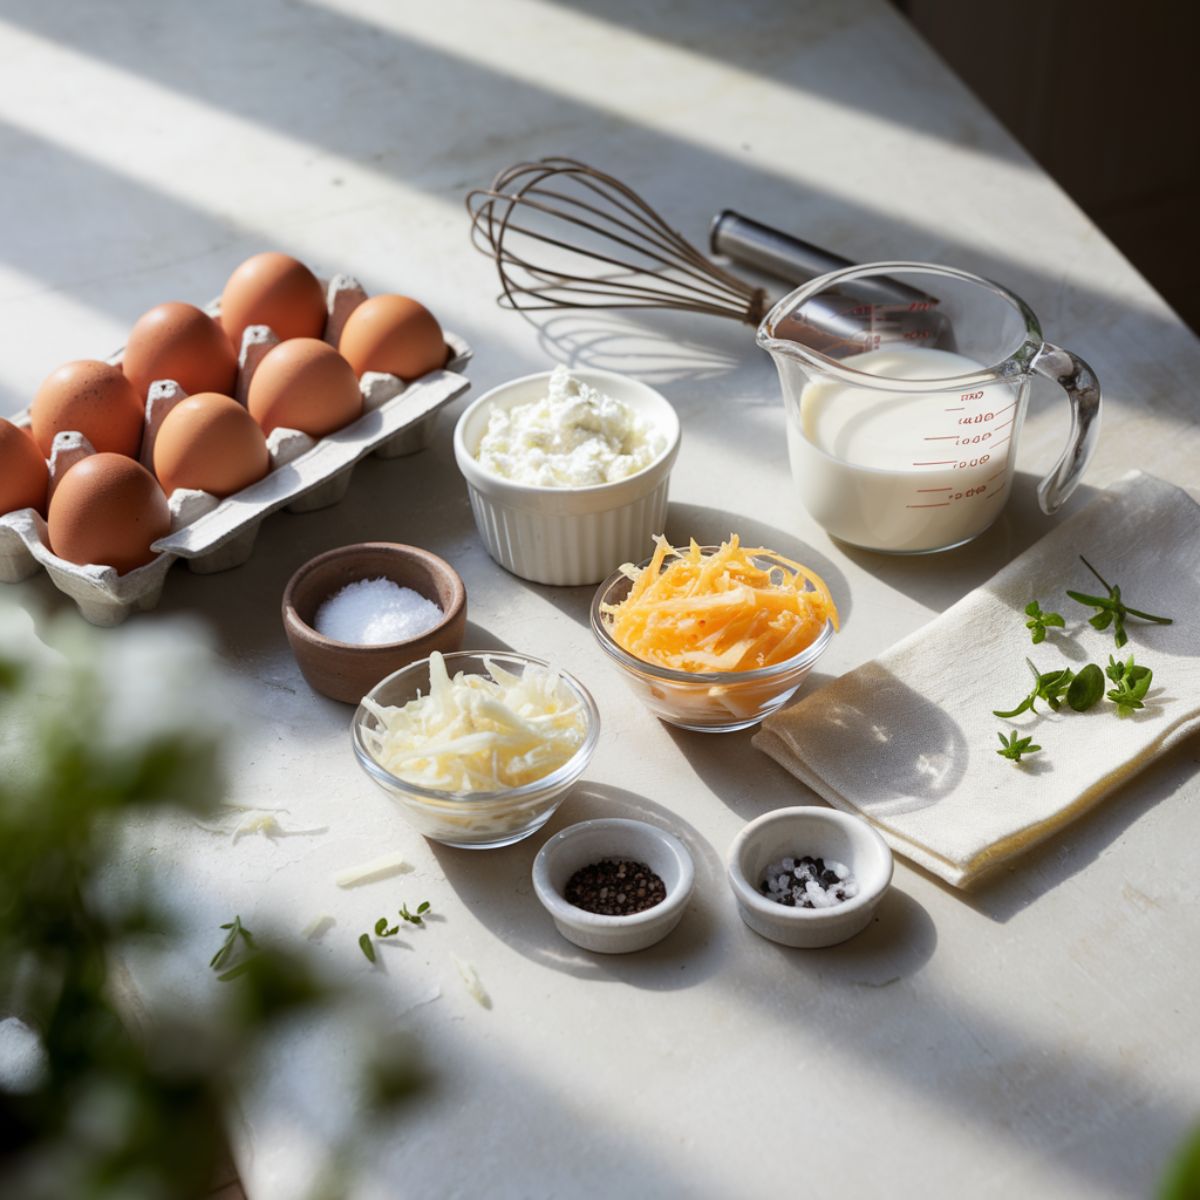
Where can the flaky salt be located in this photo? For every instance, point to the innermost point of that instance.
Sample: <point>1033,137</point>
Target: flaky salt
<point>371,612</point>
<point>807,882</point>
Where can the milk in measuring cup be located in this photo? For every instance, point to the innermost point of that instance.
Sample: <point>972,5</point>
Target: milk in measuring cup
<point>904,471</point>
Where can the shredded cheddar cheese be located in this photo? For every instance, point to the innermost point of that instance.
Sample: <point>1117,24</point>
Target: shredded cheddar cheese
<point>721,611</point>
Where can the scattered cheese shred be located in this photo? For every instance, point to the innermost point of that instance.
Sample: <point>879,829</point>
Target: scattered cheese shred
<point>721,611</point>
<point>265,823</point>
<point>318,927</point>
<point>479,733</point>
<point>470,977</point>
<point>372,872</point>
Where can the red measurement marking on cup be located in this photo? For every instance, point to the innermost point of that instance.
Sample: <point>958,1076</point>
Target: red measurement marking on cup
<point>941,462</point>
<point>971,493</point>
<point>958,409</point>
<point>1002,411</point>
<point>949,437</point>
<point>997,474</point>
<point>1004,424</point>
<point>1001,442</point>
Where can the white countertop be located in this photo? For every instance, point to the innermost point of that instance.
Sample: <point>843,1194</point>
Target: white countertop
<point>1037,1038</point>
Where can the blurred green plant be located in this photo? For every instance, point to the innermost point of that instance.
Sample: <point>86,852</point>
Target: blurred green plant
<point>107,1108</point>
<point>1183,1178</point>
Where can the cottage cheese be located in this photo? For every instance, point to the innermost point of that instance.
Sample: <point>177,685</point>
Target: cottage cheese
<point>574,436</point>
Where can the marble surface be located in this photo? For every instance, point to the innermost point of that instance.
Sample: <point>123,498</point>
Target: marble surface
<point>1037,1037</point>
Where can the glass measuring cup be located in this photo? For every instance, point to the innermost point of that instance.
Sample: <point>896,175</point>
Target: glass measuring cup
<point>906,386</point>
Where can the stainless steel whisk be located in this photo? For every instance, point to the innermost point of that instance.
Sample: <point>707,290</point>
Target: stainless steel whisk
<point>565,235</point>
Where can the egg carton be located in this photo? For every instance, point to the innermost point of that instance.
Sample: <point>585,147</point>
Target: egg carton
<point>212,534</point>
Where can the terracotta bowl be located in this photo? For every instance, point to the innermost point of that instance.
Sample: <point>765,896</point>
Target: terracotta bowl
<point>344,671</point>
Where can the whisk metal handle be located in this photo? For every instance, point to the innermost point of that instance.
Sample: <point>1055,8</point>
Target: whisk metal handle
<point>770,250</point>
<point>793,260</point>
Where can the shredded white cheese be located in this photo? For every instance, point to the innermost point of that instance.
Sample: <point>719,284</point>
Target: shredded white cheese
<point>476,733</point>
<point>372,872</point>
<point>262,822</point>
<point>574,436</point>
<point>470,977</point>
<point>318,927</point>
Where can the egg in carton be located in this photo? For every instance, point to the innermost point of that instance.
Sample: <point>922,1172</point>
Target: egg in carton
<point>214,534</point>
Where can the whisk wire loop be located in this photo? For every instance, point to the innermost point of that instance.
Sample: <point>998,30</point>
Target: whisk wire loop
<point>632,257</point>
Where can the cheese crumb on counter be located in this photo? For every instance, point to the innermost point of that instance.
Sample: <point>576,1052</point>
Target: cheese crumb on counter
<point>373,871</point>
<point>574,436</point>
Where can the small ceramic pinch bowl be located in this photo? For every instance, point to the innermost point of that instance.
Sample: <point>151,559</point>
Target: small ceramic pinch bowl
<point>567,536</point>
<point>823,833</point>
<point>345,671</point>
<point>613,837</point>
<point>472,820</point>
<point>704,701</point>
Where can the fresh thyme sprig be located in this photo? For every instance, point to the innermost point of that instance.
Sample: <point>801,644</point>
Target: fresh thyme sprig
<point>1013,747</point>
<point>1047,685</point>
<point>1132,683</point>
<point>237,932</point>
<point>416,918</point>
<point>384,930</point>
<point>1111,609</point>
<point>1040,621</point>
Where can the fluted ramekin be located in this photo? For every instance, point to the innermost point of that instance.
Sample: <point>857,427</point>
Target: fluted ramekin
<point>561,535</point>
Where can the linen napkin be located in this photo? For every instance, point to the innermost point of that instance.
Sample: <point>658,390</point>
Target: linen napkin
<point>909,740</point>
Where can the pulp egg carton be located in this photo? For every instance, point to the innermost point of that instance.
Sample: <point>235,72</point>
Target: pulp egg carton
<point>212,534</point>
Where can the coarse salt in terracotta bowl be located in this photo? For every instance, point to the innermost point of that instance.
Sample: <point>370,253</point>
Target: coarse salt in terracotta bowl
<point>345,671</point>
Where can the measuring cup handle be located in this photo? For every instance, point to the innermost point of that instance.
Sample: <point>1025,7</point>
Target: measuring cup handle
<point>1079,381</point>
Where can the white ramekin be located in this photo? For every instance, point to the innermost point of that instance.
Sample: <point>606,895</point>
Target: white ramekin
<point>568,536</point>
<point>613,837</point>
<point>817,831</point>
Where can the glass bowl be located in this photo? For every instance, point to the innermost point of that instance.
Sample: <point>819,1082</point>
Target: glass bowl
<point>705,701</point>
<point>473,820</point>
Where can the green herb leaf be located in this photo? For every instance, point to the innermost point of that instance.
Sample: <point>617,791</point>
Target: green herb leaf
<point>1086,688</point>
<point>222,957</point>
<point>1047,685</point>
<point>423,907</point>
<point>411,918</point>
<point>1014,747</point>
<point>1113,610</point>
<point>1053,685</point>
<point>1132,683</point>
<point>1040,621</point>
<point>366,946</point>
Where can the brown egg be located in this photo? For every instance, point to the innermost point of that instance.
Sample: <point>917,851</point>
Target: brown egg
<point>393,334</point>
<point>92,398</point>
<point>178,341</point>
<point>24,477</point>
<point>107,509</point>
<point>273,289</point>
<point>304,384</point>
<point>211,443</point>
